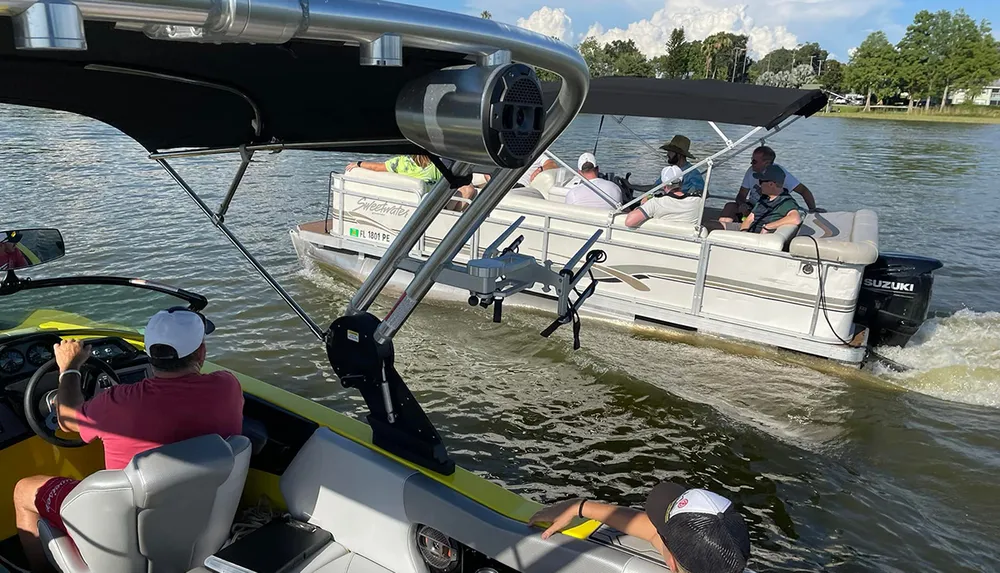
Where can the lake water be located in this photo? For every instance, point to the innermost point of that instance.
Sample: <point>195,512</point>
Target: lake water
<point>835,470</point>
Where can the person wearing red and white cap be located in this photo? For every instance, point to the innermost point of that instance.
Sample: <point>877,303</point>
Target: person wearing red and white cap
<point>177,403</point>
<point>695,530</point>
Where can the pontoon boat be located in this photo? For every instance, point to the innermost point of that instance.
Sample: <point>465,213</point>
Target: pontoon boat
<point>823,288</point>
<point>204,78</point>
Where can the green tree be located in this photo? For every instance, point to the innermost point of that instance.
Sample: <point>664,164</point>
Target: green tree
<point>712,46</point>
<point>675,64</point>
<point>810,54</point>
<point>627,60</point>
<point>832,78</point>
<point>485,14</point>
<point>597,60</point>
<point>973,60</point>
<point>873,68</point>
<point>919,53</point>
<point>696,62</point>
<point>774,61</point>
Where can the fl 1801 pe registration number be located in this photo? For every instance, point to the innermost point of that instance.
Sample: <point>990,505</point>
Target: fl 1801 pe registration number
<point>372,235</point>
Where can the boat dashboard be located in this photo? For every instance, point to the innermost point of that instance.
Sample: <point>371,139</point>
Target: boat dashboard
<point>21,356</point>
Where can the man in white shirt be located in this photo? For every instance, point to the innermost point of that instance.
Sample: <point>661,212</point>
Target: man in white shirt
<point>749,192</point>
<point>582,194</point>
<point>675,205</point>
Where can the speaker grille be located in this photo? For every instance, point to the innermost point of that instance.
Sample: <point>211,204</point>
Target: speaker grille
<point>524,95</point>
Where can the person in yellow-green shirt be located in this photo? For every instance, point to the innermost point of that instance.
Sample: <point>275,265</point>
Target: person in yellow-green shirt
<point>418,167</point>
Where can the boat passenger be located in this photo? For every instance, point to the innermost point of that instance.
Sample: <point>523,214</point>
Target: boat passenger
<point>541,163</point>
<point>177,403</point>
<point>678,153</point>
<point>583,195</point>
<point>674,205</point>
<point>696,531</point>
<point>776,206</point>
<point>749,192</point>
<point>11,256</point>
<point>418,167</point>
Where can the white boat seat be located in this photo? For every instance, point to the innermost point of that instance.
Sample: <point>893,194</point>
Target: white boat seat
<point>550,178</point>
<point>842,236</point>
<point>168,510</point>
<point>775,241</point>
<point>379,183</point>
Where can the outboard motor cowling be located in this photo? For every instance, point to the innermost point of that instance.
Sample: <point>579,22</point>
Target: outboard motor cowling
<point>894,298</point>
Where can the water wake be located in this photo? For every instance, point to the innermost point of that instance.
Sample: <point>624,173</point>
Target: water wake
<point>954,358</point>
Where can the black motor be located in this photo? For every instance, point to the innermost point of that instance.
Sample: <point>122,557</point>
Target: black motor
<point>895,294</point>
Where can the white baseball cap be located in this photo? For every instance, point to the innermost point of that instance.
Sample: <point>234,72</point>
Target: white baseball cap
<point>176,332</point>
<point>670,175</point>
<point>586,158</point>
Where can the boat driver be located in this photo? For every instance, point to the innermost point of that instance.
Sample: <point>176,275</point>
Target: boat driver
<point>749,192</point>
<point>696,531</point>
<point>177,403</point>
<point>776,206</point>
<point>674,205</point>
<point>11,256</point>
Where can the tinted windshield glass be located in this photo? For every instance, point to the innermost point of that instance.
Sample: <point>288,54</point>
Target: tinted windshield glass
<point>96,305</point>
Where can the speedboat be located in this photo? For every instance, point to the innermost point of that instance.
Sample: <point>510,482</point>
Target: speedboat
<point>823,288</point>
<point>205,79</point>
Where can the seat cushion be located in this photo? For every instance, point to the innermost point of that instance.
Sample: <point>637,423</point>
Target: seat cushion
<point>842,236</point>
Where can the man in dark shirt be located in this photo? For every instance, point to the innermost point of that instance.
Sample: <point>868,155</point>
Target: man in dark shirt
<point>776,207</point>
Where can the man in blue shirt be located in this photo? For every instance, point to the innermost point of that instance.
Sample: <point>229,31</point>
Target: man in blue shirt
<point>678,153</point>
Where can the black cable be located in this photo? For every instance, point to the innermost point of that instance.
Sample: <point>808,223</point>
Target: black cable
<point>822,293</point>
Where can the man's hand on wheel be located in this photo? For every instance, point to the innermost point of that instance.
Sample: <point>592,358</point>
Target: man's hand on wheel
<point>71,354</point>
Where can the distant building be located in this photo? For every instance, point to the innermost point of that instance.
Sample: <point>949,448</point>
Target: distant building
<point>989,96</point>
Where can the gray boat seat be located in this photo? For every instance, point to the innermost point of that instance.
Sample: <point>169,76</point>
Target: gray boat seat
<point>168,510</point>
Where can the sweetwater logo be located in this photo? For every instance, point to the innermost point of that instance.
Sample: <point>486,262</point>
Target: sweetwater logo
<point>381,208</point>
<point>889,285</point>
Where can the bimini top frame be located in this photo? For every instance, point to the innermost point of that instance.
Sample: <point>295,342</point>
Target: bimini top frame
<point>203,77</point>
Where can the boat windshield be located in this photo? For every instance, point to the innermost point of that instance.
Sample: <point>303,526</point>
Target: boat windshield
<point>109,307</point>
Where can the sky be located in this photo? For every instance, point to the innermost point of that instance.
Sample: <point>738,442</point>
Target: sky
<point>838,25</point>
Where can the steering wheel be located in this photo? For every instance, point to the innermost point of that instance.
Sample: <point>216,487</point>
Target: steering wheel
<point>40,411</point>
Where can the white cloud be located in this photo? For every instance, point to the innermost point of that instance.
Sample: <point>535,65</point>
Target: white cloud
<point>850,52</point>
<point>700,19</point>
<point>551,22</point>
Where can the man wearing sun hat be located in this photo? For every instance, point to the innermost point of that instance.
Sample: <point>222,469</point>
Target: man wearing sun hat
<point>678,153</point>
<point>695,530</point>
<point>177,403</point>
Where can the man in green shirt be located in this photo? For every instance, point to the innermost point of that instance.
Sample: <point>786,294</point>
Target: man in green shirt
<point>776,206</point>
<point>416,166</point>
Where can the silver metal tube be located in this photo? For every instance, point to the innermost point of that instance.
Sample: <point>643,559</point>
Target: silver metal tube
<point>452,243</point>
<point>245,157</point>
<point>316,330</point>
<point>415,227</point>
<point>278,147</point>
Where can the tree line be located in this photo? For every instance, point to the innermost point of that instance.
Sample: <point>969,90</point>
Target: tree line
<point>940,52</point>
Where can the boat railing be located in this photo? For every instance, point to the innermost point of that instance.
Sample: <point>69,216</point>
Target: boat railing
<point>608,222</point>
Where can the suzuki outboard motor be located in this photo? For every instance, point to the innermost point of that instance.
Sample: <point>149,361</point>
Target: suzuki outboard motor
<point>895,294</point>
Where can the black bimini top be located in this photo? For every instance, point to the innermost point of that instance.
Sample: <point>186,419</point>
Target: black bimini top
<point>306,92</point>
<point>706,100</point>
